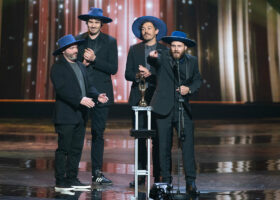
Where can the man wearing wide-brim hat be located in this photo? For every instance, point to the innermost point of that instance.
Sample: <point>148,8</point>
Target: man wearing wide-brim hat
<point>73,96</point>
<point>150,30</point>
<point>178,78</point>
<point>99,54</point>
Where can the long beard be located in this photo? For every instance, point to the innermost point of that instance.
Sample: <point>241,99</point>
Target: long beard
<point>72,57</point>
<point>177,55</point>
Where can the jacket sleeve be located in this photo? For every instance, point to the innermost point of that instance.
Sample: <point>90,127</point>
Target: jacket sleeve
<point>109,63</point>
<point>63,88</point>
<point>196,79</point>
<point>154,62</point>
<point>130,70</point>
<point>93,93</point>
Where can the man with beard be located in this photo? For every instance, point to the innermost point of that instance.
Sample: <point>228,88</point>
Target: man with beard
<point>74,96</point>
<point>99,54</point>
<point>173,85</point>
<point>150,30</point>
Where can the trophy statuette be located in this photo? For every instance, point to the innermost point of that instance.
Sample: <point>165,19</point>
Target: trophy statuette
<point>142,88</point>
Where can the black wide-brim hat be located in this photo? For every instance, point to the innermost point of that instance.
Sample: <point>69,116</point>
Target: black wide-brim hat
<point>158,23</point>
<point>179,36</point>
<point>95,13</point>
<point>65,42</point>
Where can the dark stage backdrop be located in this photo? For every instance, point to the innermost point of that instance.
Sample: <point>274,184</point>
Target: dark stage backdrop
<point>238,43</point>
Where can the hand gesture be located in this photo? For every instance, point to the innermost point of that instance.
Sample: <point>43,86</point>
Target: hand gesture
<point>103,98</point>
<point>87,102</point>
<point>184,90</point>
<point>144,71</point>
<point>153,54</point>
<point>89,55</point>
<point>85,62</point>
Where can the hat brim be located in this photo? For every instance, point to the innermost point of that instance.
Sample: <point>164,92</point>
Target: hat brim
<point>60,50</point>
<point>86,17</point>
<point>158,23</point>
<point>186,41</point>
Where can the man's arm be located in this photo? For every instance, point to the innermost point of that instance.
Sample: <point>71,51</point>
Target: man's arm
<point>131,70</point>
<point>62,89</point>
<point>154,58</point>
<point>194,84</point>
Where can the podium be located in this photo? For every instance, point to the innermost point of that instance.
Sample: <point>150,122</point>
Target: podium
<point>137,133</point>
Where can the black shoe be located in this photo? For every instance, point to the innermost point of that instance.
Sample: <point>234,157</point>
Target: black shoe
<point>191,188</point>
<point>62,186</point>
<point>99,179</point>
<point>141,181</point>
<point>77,185</point>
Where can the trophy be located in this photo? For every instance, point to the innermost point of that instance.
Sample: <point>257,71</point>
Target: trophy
<point>142,88</point>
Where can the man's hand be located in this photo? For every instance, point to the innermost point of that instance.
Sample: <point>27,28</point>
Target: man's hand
<point>184,90</point>
<point>85,62</point>
<point>87,102</point>
<point>144,71</point>
<point>103,98</point>
<point>153,54</point>
<point>89,55</point>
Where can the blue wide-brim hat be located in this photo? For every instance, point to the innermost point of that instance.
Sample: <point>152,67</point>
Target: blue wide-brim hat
<point>65,42</point>
<point>179,36</point>
<point>95,13</point>
<point>159,24</point>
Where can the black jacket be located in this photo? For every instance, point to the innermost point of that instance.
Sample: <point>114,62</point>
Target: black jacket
<point>136,57</point>
<point>105,64</point>
<point>164,96</point>
<point>68,109</point>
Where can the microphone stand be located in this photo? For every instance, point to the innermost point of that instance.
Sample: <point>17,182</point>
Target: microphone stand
<point>180,131</point>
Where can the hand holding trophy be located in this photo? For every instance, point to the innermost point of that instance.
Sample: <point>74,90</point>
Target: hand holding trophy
<point>141,76</point>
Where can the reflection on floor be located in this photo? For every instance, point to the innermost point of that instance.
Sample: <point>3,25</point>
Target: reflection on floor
<point>236,159</point>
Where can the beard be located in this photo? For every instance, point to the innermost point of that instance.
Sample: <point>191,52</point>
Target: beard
<point>93,31</point>
<point>71,56</point>
<point>177,55</point>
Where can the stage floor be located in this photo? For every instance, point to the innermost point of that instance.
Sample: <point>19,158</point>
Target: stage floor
<point>236,159</point>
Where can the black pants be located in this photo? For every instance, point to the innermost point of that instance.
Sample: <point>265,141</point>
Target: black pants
<point>69,151</point>
<point>165,129</point>
<point>142,147</point>
<point>98,123</point>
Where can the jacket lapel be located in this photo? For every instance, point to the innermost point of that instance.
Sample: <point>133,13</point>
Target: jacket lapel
<point>188,67</point>
<point>82,68</point>
<point>85,45</point>
<point>170,66</point>
<point>98,43</point>
<point>140,53</point>
<point>68,68</point>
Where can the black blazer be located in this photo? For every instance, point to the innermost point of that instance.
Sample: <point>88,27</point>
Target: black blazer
<point>136,57</point>
<point>164,96</point>
<point>105,64</point>
<point>68,109</point>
